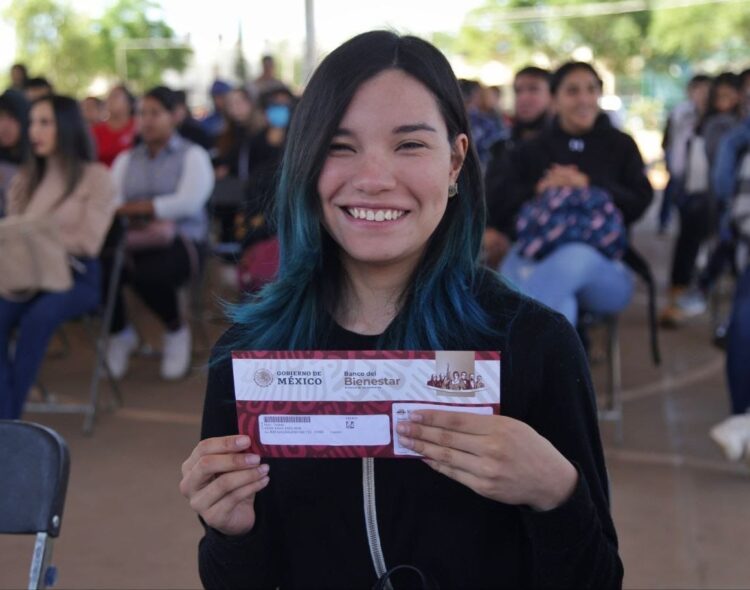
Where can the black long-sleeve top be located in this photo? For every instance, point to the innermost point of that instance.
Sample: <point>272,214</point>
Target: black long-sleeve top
<point>310,529</point>
<point>609,157</point>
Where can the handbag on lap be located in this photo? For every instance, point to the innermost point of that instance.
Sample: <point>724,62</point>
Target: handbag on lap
<point>155,233</point>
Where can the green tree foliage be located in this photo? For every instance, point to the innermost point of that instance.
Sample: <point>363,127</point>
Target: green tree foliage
<point>712,32</point>
<point>660,35</point>
<point>54,41</point>
<point>128,20</point>
<point>71,49</point>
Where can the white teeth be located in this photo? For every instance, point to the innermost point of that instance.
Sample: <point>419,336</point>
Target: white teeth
<point>375,214</point>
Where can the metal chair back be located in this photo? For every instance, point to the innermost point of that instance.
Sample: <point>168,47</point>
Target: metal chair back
<point>34,468</point>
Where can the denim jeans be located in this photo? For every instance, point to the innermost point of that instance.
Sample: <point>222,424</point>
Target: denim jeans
<point>738,347</point>
<point>34,322</point>
<point>574,276</point>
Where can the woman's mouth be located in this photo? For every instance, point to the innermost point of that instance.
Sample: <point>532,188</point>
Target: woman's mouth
<point>364,214</point>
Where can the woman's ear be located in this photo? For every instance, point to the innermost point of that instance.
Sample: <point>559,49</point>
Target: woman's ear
<point>459,149</point>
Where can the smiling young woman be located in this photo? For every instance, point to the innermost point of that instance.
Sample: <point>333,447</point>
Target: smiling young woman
<point>381,213</point>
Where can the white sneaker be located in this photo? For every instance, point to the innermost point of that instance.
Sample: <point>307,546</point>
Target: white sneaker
<point>119,348</point>
<point>175,354</point>
<point>733,435</point>
<point>692,304</point>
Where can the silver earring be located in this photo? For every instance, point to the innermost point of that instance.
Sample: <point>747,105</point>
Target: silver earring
<point>452,190</point>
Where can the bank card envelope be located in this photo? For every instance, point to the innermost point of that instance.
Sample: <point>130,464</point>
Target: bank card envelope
<point>340,404</point>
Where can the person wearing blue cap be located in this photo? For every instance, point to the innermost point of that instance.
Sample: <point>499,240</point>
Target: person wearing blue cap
<point>214,123</point>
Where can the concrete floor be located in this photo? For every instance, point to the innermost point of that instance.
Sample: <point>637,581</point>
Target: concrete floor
<point>682,512</point>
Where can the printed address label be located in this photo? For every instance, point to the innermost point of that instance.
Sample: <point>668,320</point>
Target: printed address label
<point>333,430</point>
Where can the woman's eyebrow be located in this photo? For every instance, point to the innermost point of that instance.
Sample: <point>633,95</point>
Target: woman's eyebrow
<point>411,128</point>
<point>343,131</point>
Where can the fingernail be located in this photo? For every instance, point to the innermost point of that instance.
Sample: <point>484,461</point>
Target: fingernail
<point>242,441</point>
<point>402,429</point>
<point>405,442</point>
<point>415,417</point>
<point>252,459</point>
<point>263,468</point>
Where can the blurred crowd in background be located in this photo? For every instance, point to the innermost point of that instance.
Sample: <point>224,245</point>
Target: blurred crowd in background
<point>197,189</point>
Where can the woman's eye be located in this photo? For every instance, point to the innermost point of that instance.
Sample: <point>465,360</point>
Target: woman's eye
<point>411,145</point>
<point>340,148</point>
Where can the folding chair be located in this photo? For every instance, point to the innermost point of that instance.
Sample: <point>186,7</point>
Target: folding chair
<point>34,467</point>
<point>611,410</point>
<point>114,251</point>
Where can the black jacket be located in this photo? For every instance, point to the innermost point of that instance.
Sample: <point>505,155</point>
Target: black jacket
<point>609,157</point>
<point>310,529</point>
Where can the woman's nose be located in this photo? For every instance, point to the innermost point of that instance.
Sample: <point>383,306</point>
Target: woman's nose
<point>373,175</point>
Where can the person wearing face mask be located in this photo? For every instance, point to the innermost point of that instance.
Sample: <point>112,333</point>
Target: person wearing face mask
<point>14,114</point>
<point>581,153</point>
<point>164,183</point>
<point>265,150</point>
<point>380,213</point>
<point>58,179</point>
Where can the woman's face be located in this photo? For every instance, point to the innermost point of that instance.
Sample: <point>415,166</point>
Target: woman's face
<point>43,129</point>
<point>157,123</point>
<point>238,107</point>
<point>726,98</point>
<point>118,104</point>
<point>577,101</point>
<point>384,185</point>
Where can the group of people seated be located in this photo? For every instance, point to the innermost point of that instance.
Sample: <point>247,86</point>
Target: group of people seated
<point>462,381</point>
<point>563,187</point>
<point>142,163</point>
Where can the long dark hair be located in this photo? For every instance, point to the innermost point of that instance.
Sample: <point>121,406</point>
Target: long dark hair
<point>73,144</point>
<point>439,308</point>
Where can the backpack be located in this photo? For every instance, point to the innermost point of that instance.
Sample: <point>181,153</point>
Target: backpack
<point>563,215</point>
<point>258,265</point>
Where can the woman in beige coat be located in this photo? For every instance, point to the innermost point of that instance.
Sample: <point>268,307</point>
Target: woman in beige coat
<point>59,179</point>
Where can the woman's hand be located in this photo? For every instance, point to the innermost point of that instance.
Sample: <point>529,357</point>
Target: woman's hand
<point>562,176</point>
<point>498,457</point>
<point>220,480</point>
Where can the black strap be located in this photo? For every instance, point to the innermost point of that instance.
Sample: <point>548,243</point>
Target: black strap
<point>641,267</point>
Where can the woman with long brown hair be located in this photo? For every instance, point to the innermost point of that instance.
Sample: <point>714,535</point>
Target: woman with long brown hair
<point>58,179</point>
